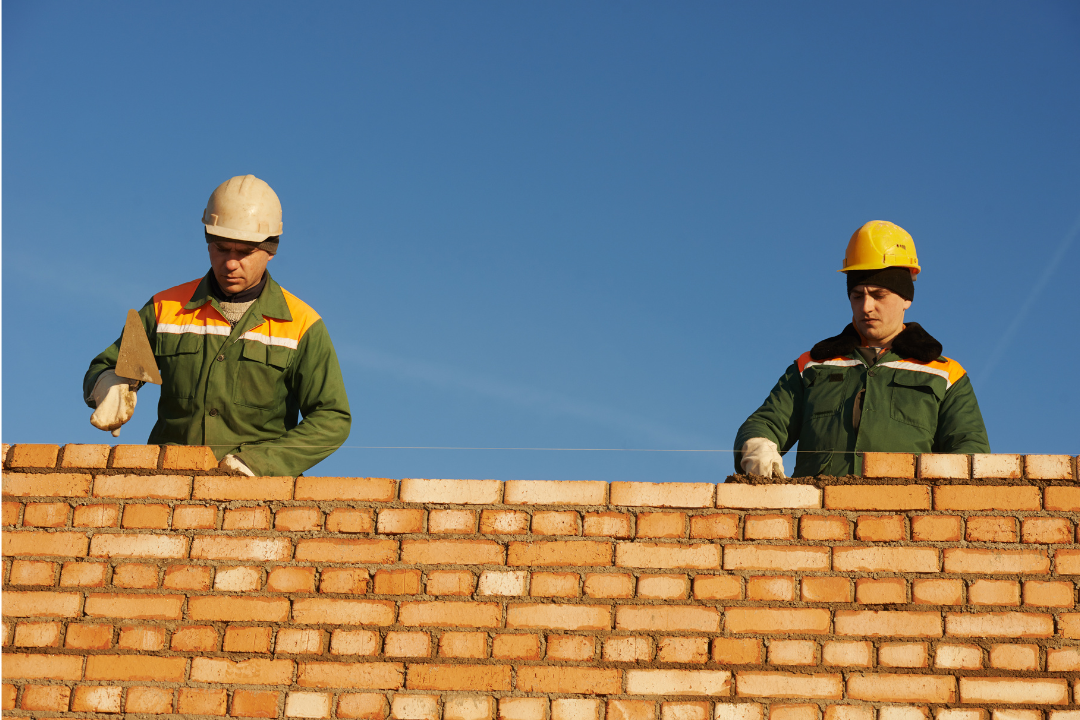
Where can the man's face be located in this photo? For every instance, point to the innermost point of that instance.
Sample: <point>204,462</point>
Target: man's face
<point>878,313</point>
<point>237,265</point>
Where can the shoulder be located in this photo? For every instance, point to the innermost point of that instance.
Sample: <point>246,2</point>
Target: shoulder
<point>943,367</point>
<point>301,312</point>
<point>178,293</point>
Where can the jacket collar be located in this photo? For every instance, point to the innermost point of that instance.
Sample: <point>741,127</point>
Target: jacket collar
<point>271,303</point>
<point>912,342</point>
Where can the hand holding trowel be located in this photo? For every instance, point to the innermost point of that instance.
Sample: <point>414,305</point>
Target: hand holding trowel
<point>114,391</point>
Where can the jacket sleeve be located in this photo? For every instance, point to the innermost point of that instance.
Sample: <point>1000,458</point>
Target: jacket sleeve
<point>960,423</point>
<point>318,391</point>
<point>107,358</point>
<point>778,419</point>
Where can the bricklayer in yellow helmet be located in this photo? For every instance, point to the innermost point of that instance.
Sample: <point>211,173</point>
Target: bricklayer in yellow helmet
<point>880,244</point>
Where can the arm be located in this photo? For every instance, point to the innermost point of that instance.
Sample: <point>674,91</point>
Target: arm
<point>960,422</point>
<point>318,390</point>
<point>778,419</point>
<point>107,358</point>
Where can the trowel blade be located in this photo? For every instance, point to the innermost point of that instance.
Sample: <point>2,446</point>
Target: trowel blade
<point>136,361</point>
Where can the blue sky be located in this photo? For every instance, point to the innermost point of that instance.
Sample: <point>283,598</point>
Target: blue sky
<point>550,225</point>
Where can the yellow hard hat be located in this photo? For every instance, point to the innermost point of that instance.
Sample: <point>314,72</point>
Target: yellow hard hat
<point>880,244</point>
<point>243,208</point>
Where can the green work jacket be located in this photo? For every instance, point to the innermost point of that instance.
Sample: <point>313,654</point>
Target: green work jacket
<point>915,401</point>
<point>242,389</point>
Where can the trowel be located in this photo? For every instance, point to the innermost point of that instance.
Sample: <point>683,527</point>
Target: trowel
<point>136,360</point>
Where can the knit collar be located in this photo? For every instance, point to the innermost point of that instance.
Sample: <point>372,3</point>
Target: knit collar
<point>912,342</point>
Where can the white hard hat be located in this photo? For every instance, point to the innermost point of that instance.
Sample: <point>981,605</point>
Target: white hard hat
<point>243,208</point>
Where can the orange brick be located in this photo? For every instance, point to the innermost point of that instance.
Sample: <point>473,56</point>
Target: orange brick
<point>792,652</point>
<point>350,520</point>
<point>693,650</point>
<point>88,637</point>
<point>55,698</point>
<point>56,544</point>
<point>607,524</point>
<point>870,591</point>
<point>667,555</point>
<point>664,587</point>
<point>579,648</point>
<point>939,528</point>
<point>135,606</point>
<point>776,557</point>
<point>135,667</point>
<point>965,560</point>
<point>355,642</point>
<point>194,638</point>
<point>902,688</point>
<point>768,527</point>
<point>291,580</point>
<point>135,575</point>
<point>937,592</point>
<point>944,466</point>
<point>347,581</point>
<point>188,457</point>
<point>880,528</point>
<point>397,582</point>
<point>545,584</point>
<point>407,644</point>
<point>298,519</point>
<point>252,609</point>
<point>90,457</point>
<point>146,516</point>
<point>256,671</point>
<point>149,700</point>
<point>810,621</point>
<point>141,637</point>
<point>1049,594</point>
<point>887,559</point>
<point>847,654</point>
<point>987,497</point>
<point>588,553</point>
<point>659,495</point>
<point>504,522</point>
<point>548,492</point>
<point>42,667</point>
<point>463,645</point>
<point>32,572</point>
<point>187,577</point>
<point>907,655</point>
<point>255,703</point>
<point>999,624</point>
<point>559,617</point>
<point>138,546</point>
<point>165,487</point>
<point>609,585</point>
<point>515,647</point>
<point>714,525</point>
<point>887,623</point>
<point>661,525</point>
<point>576,680</point>
<point>824,527</point>
<point>877,497</point>
<point>347,551</point>
<point>1058,497</point>
<point>25,455</point>
<point>717,587</point>
<point>456,492</point>
<point>679,682</point>
<point>994,592</point>
<point>1014,657</point>
<point>556,523</point>
<point>400,520</point>
<point>452,521</point>
<point>575,709</point>
<point>46,484</point>
<point>96,698</point>
<point>1046,530</point>
<point>319,611</point>
<point>46,515</point>
<point>136,457</point>
<point>11,511</point>
<point>451,582</point>
<point>452,552</point>
<point>1067,562</point>
<point>42,604</point>
<point>631,710</point>
<point>628,649</point>
<point>1062,659</point>
<point>82,574</point>
<point>770,588</point>
<point>1044,691</point>
<point>220,547</point>
<point>200,701</point>
<point>888,465</point>
<point>37,634</point>
<point>194,517</point>
<point>368,706</point>
<point>667,618</point>
<point>346,489</point>
<point>372,676</point>
<point>826,589</point>
<point>991,529</point>
<point>520,708</point>
<point>242,488</point>
<point>246,518</point>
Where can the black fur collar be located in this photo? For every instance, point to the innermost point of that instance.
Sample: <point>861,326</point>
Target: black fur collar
<point>912,342</point>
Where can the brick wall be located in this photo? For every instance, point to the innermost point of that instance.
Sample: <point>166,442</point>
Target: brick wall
<point>137,580</point>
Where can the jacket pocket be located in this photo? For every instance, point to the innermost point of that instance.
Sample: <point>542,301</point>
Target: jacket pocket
<point>260,377</point>
<point>825,394</point>
<point>916,398</point>
<point>179,358</point>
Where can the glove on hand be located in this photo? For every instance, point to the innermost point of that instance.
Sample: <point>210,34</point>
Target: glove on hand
<point>760,457</point>
<point>234,466</point>
<point>114,400</point>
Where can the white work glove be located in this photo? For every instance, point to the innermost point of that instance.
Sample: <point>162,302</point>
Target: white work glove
<point>114,400</point>
<point>234,466</point>
<point>760,457</point>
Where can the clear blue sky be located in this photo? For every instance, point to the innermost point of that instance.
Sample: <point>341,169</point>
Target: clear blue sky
<point>551,225</point>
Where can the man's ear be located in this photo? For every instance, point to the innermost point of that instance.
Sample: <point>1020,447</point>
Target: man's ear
<point>907,304</point>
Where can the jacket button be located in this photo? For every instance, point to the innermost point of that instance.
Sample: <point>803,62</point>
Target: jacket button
<point>220,358</point>
<point>213,412</point>
<point>870,373</point>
